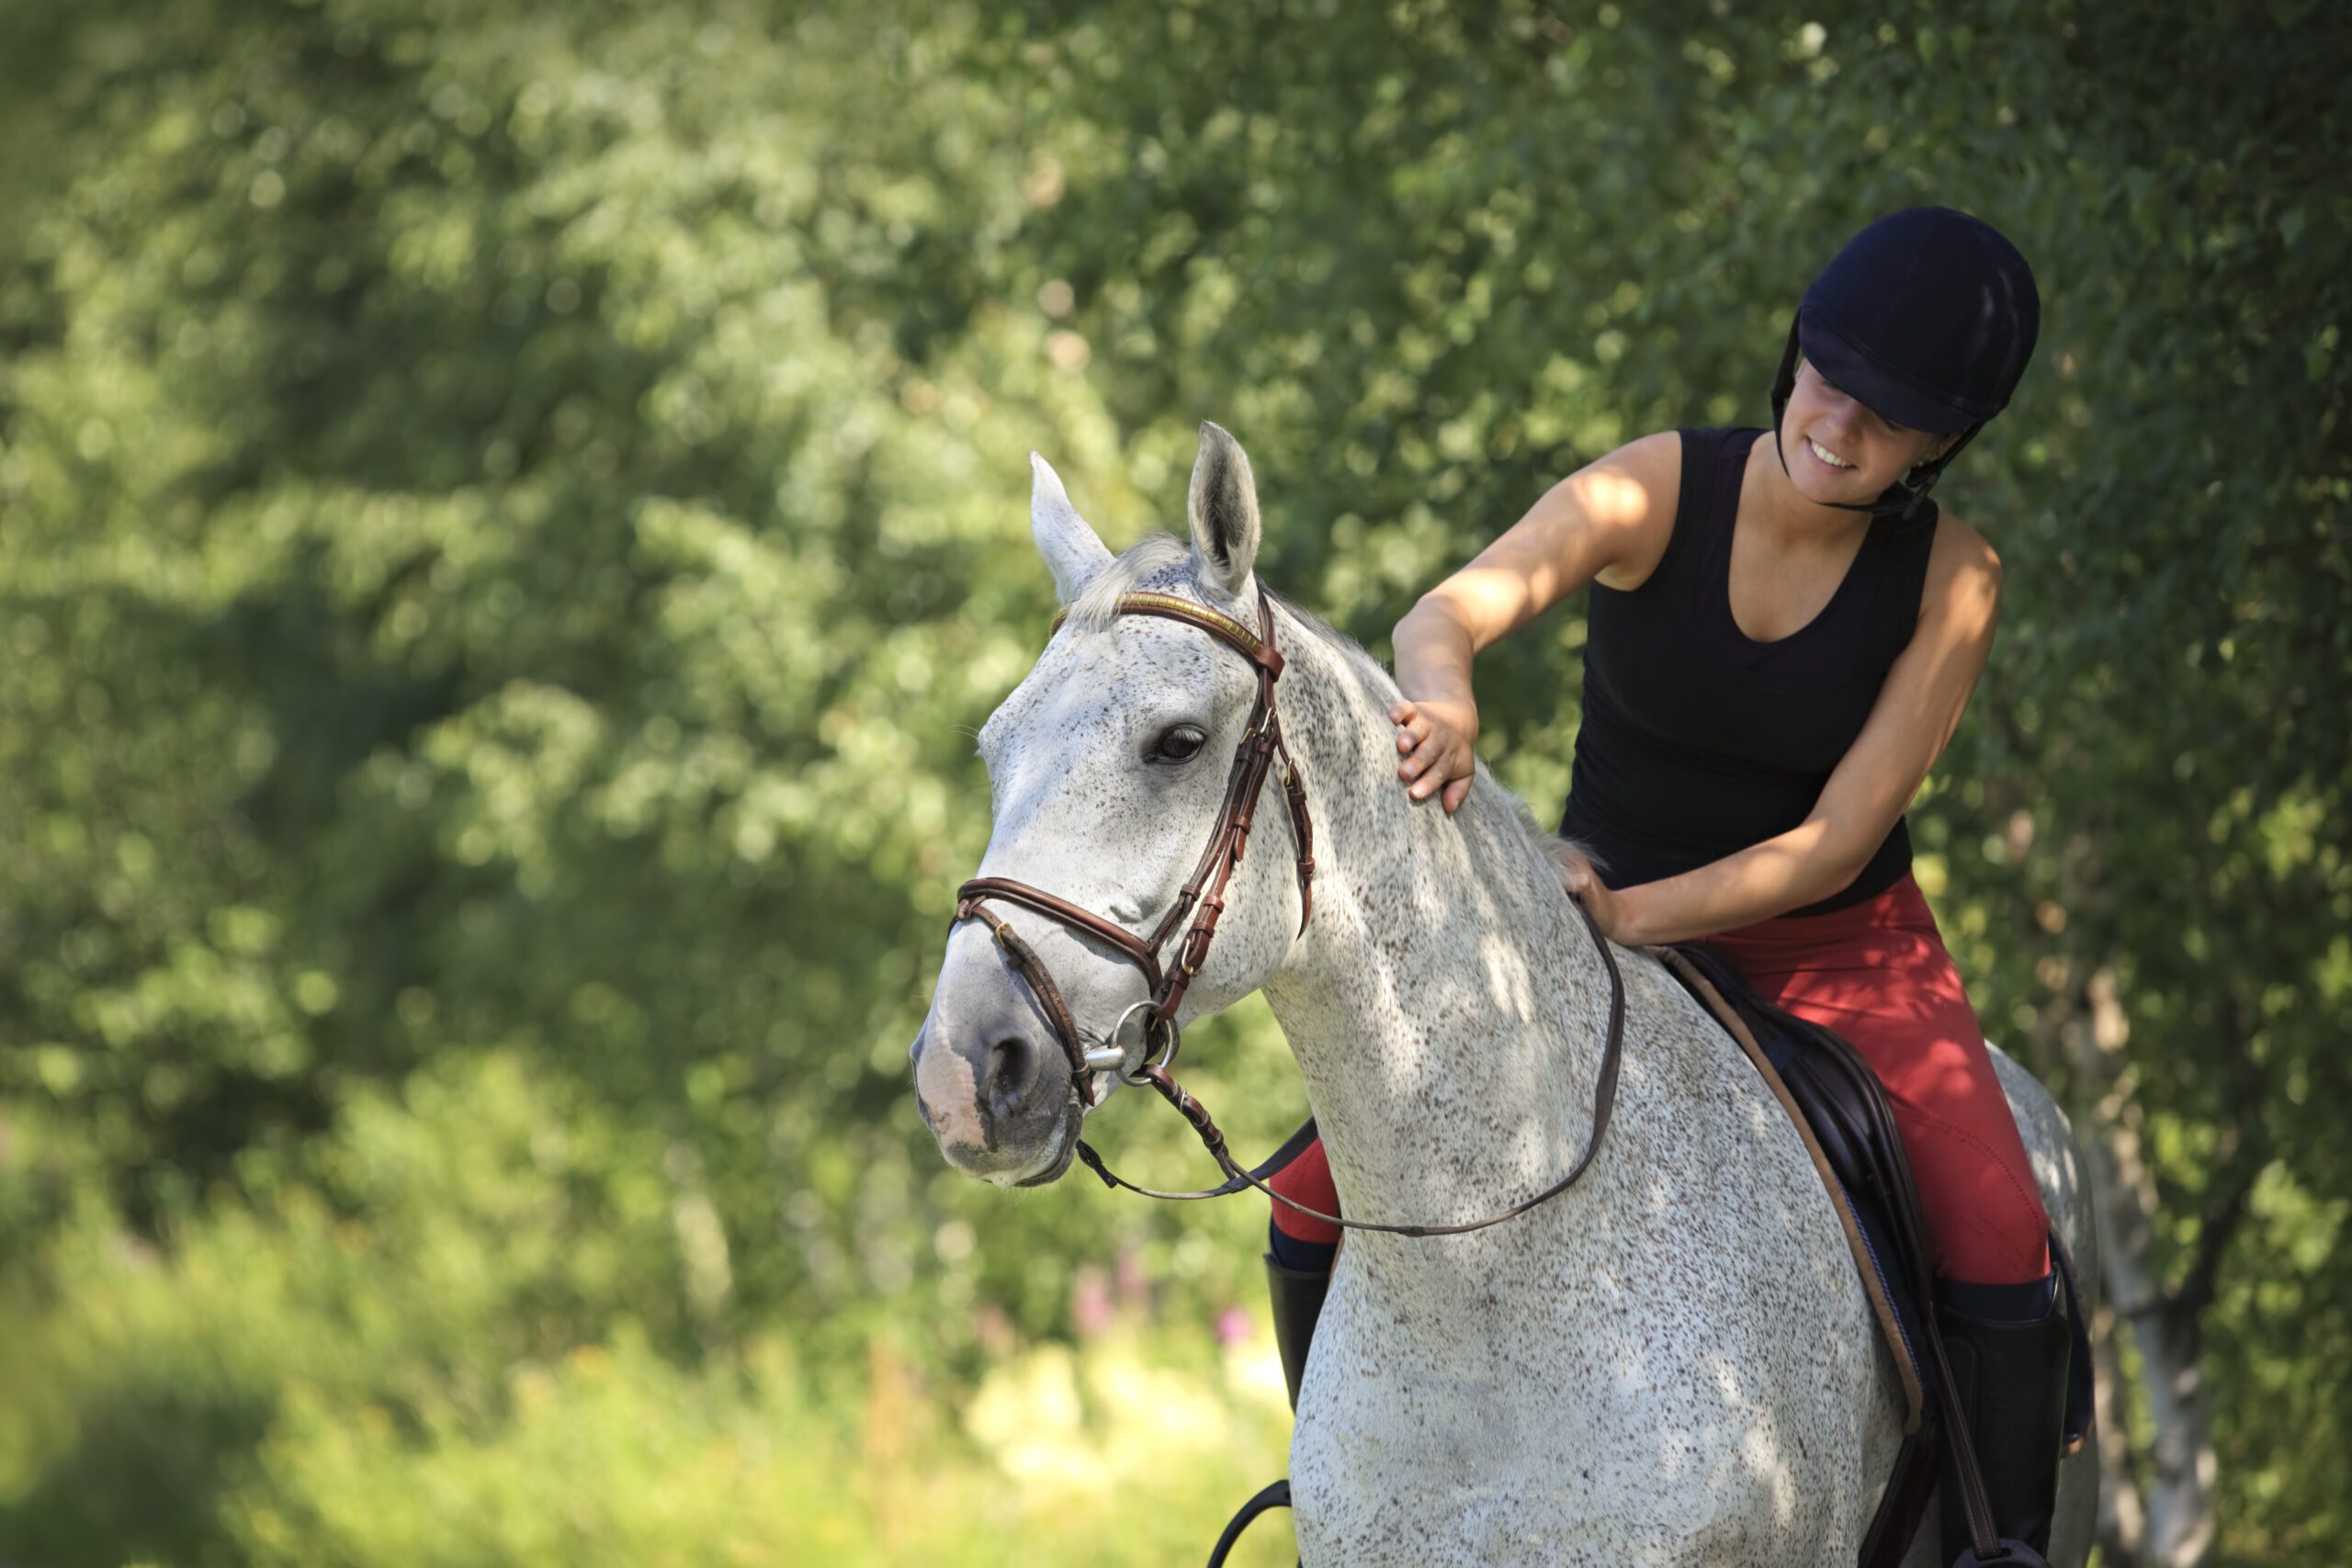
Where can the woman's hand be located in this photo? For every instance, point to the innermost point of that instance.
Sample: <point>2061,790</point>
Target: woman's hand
<point>1437,742</point>
<point>1613,911</point>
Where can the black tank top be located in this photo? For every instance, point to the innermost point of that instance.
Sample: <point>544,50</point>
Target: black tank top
<point>1697,741</point>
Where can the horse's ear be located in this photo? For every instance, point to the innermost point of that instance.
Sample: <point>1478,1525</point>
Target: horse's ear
<point>1073,554</point>
<point>1224,512</point>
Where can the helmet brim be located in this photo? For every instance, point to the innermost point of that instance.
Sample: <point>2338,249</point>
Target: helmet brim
<point>1846,367</point>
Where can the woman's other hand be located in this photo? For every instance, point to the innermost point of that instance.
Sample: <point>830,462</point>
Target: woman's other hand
<point>1612,910</point>
<point>1436,740</point>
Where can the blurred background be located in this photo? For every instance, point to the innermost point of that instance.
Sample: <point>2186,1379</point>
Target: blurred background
<point>510,516</point>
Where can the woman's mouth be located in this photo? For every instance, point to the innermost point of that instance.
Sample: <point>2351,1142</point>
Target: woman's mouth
<point>1825,457</point>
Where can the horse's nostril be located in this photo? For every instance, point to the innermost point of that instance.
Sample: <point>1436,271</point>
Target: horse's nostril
<point>1012,1066</point>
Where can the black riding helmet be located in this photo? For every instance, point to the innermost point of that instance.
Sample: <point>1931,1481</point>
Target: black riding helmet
<point>1927,317</point>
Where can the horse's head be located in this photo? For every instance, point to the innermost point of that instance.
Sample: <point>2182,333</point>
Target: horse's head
<point>1109,766</point>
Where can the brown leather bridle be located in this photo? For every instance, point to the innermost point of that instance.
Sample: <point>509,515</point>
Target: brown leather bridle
<point>1261,742</point>
<point>1203,896</point>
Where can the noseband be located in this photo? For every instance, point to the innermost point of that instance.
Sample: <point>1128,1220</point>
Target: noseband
<point>1261,743</point>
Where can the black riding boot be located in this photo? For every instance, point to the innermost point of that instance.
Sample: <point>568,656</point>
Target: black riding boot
<point>1298,1301</point>
<point>2010,1378</point>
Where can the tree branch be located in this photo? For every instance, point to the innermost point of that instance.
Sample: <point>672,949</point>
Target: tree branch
<point>2215,1234</point>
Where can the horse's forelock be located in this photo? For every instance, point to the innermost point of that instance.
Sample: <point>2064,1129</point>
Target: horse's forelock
<point>1150,562</point>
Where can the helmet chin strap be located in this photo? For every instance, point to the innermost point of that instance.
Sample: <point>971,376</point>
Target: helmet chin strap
<point>1899,500</point>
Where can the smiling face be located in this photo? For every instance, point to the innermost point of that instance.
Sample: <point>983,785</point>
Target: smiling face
<point>1838,449</point>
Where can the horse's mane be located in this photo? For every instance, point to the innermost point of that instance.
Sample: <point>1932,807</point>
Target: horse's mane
<point>1158,562</point>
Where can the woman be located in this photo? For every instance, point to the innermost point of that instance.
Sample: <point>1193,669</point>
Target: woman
<point>1783,633</point>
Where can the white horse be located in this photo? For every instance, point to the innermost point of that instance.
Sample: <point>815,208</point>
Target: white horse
<point>1671,1363</point>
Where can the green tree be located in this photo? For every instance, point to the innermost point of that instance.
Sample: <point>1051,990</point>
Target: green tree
<point>510,519</point>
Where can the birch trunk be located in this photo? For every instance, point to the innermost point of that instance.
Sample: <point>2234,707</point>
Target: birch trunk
<point>2157,1509</point>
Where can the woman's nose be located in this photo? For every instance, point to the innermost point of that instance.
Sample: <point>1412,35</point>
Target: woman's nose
<point>1842,414</point>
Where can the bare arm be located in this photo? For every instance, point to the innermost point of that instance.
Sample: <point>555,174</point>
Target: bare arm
<point>1926,688</point>
<point>1610,519</point>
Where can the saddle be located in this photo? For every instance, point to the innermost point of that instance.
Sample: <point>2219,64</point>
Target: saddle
<point>1840,1111</point>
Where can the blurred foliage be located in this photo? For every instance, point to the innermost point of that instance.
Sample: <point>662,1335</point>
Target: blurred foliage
<point>440,1346</point>
<point>511,516</point>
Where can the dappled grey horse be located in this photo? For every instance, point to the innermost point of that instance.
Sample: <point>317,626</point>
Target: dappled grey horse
<point>1674,1362</point>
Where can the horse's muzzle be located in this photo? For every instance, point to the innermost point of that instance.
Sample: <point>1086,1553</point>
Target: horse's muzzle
<point>992,1080</point>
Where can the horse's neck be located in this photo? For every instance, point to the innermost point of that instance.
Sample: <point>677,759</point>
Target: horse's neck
<point>1446,1005</point>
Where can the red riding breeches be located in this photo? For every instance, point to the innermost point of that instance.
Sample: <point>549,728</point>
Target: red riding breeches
<point>1878,973</point>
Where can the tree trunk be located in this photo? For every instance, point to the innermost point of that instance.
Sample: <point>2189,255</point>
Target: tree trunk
<point>2157,1509</point>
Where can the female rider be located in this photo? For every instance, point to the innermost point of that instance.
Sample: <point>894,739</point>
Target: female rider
<point>1782,633</point>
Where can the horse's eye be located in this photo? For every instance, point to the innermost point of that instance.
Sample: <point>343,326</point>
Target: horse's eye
<point>1178,744</point>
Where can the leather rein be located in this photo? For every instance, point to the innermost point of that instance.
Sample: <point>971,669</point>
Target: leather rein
<point>1202,897</point>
